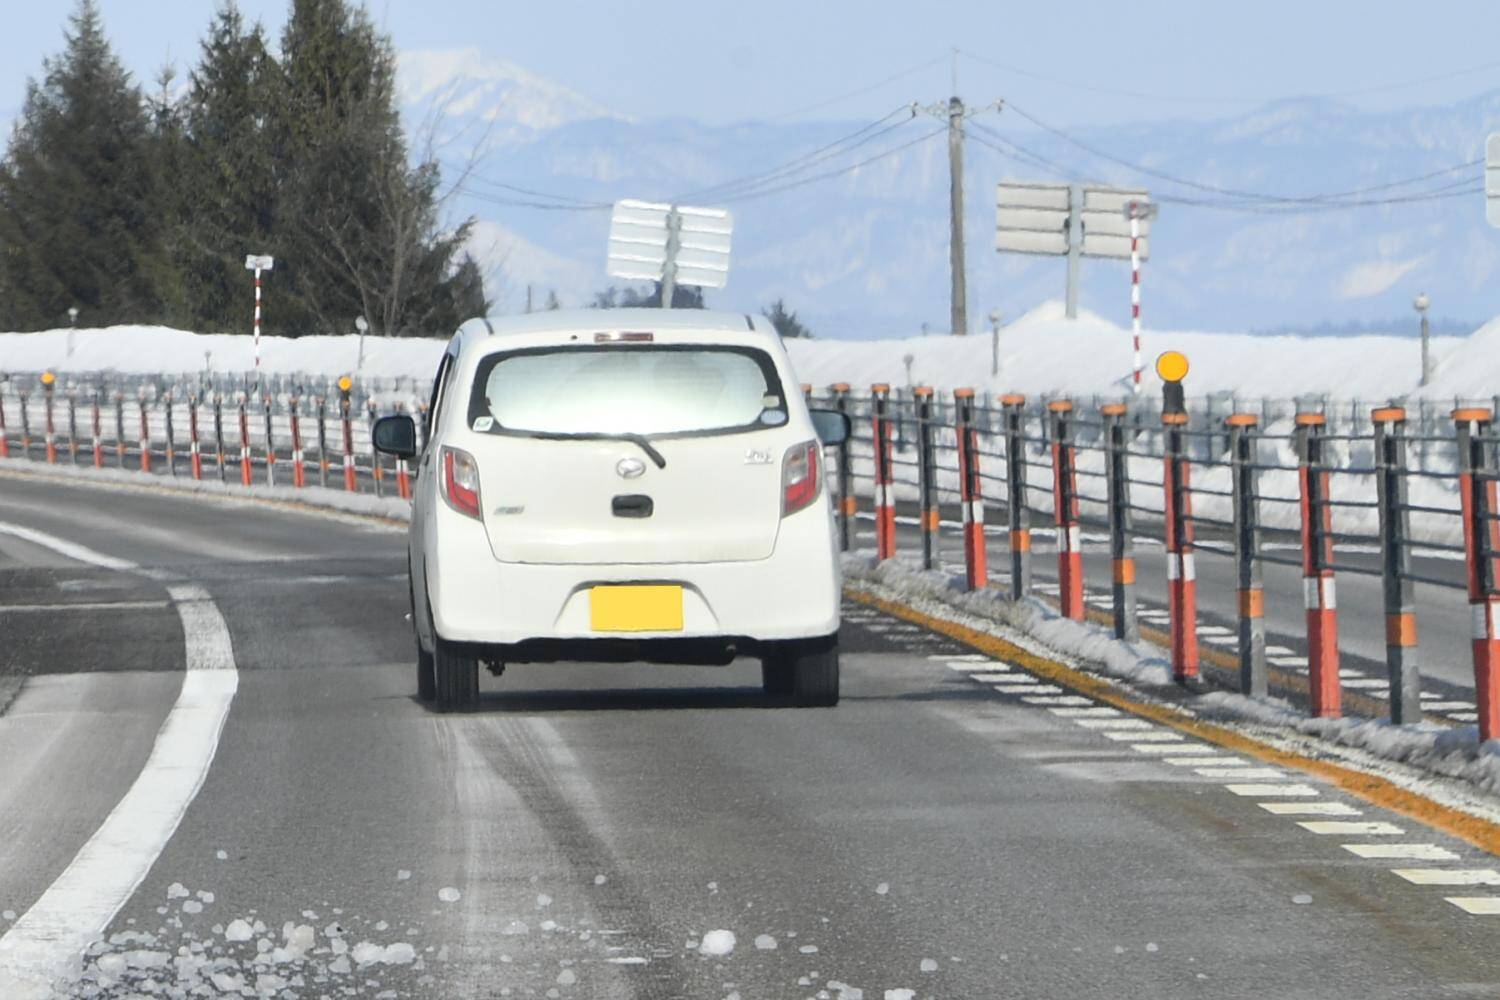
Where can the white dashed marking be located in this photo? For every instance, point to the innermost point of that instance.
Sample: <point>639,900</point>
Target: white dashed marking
<point>1248,773</point>
<point>1168,746</point>
<point>1050,699</point>
<point>959,657</point>
<point>1401,852</point>
<point>1446,706</point>
<point>999,677</point>
<point>1364,683</point>
<point>1097,712</point>
<point>1272,791</point>
<point>1309,809</point>
<point>1479,906</point>
<point>1357,829</point>
<point>1028,688</point>
<point>1152,736</point>
<point>1199,761</point>
<point>1449,876</point>
<point>1120,724</point>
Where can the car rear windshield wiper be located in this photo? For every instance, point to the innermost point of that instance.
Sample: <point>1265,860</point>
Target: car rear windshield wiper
<point>639,440</point>
<point>647,447</point>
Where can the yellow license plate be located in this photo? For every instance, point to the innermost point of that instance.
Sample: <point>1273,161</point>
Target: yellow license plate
<point>646,608</point>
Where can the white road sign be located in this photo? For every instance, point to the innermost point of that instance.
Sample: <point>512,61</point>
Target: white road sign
<point>1492,180</point>
<point>1106,228</point>
<point>641,234</point>
<point>1031,218</point>
<point>259,262</point>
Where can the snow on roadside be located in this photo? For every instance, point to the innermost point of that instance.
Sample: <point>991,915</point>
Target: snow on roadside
<point>1444,763</point>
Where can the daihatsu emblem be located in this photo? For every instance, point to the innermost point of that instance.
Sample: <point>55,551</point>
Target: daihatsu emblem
<point>631,468</point>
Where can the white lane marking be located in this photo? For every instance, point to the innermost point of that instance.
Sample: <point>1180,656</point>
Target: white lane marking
<point>1367,683</point>
<point>1168,746</point>
<point>1027,688</point>
<point>1214,630</point>
<point>1056,699</point>
<point>1150,736</point>
<point>1288,661</point>
<point>959,657</point>
<point>48,941</point>
<point>1446,706</point>
<point>1272,791</point>
<point>1248,773</point>
<point>1154,616</point>
<point>1479,906</point>
<point>1309,809</point>
<point>94,606</point>
<point>1199,761</point>
<point>1464,716</point>
<point>1401,852</point>
<point>999,677</point>
<point>1221,640</point>
<point>1096,712</point>
<point>1449,876</point>
<point>1121,724</point>
<point>1344,829</point>
<point>1279,651</point>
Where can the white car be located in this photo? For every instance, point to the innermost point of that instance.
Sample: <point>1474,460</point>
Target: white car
<point>621,485</point>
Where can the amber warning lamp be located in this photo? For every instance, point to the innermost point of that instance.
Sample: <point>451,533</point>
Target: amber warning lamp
<point>1172,367</point>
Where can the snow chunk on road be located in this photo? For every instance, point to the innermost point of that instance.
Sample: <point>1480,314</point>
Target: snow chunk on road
<point>765,942</point>
<point>719,942</point>
<point>448,894</point>
<point>238,930</point>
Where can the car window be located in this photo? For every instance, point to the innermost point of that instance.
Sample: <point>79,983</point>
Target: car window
<point>627,389</point>
<point>438,384</point>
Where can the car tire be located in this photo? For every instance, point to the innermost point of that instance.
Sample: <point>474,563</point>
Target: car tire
<point>457,678</point>
<point>426,674</point>
<point>808,672</point>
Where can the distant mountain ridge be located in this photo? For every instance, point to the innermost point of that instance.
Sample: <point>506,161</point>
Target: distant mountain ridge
<point>865,253</point>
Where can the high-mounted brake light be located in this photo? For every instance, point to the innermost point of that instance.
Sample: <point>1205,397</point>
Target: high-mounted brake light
<point>624,337</point>
<point>461,482</point>
<point>801,476</point>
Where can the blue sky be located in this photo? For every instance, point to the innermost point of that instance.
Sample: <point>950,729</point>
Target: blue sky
<point>718,61</point>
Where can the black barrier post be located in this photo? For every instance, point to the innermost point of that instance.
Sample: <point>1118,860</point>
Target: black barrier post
<point>1245,486</point>
<point>927,507</point>
<point>847,502</point>
<point>1389,423</point>
<point>1121,523</point>
<point>1016,511</point>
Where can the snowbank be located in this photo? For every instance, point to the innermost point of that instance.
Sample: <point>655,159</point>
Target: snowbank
<point>1041,352</point>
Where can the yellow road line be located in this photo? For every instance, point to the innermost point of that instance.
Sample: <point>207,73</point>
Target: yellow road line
<point>1376,790</point>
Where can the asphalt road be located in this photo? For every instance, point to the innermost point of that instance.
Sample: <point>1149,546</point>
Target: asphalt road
<point>591,831</point>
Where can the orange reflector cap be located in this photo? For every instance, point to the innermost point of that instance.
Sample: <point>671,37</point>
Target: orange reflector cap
<point>345,383</point>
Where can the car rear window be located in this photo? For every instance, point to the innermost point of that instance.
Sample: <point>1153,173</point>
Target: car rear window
<point>658,389</point>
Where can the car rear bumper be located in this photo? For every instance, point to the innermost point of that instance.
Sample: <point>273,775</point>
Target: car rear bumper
<point>793,594</point>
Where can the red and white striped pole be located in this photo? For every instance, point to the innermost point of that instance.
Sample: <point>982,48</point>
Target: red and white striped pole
<point>1065,511</point>
<point>48,381</point>
<point>195,450</point>
<point>1182,576</point>
<point>98,434</point>
<point>244,442</point>
<point>885,501</point>
<point>1477,474</point>
<point>258,263</point>
<point>1136,211</point>
<point>1317,570</point>
<point>971,491</point>
<point>299,478</point>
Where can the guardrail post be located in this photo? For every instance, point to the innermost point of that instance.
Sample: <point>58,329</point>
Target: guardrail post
<point>1389,424</point>
<point>1477,475</point>
<point>171,442</point>
<point>145,431</point>
<point>1121,522</point>
<point>1317,570</point>
<point>265,403</point>
<point>120,427</point>
<point>299,477</point>
<point>847,502</point>
<point>51,439</point>
<point>1065,511</point>
<point>72,425</point>
<point>95,424</point>
<point>219,437</point>
<point>350,485</point>
<point>1017,512</point>
<point>927,505</point>
<point>245,472</point>
<point>1250,593</point>
<point>376,472</point>
<point>1182,577</point>
<point>322,403</point>
<point>25,425</point>
<point>4,434</point>
<point>971,491</point>
<point>195,448</point>
<point>403,475</point>
<point>885,501</point>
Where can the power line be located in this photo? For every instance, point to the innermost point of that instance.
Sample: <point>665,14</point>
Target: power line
<point>837,173</point>
<point>1185,99</point>
<point>797,164</point>
<point>862,91</point>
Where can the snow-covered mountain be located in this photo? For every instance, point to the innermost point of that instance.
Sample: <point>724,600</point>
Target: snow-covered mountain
<point>866,252</point>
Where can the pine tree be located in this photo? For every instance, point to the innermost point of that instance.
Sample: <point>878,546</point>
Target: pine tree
<point>78,220</point>
<point>785,321</point>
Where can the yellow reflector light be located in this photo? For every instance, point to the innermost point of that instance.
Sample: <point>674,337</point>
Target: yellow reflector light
<point>1172,366</point>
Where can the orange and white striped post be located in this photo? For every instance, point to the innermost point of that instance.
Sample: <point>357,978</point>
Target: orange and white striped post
<point>145,431</point>
<point>73,425</point>
<point>970,491</point>
<point>97,428</point>
<point>1477,476</point>
<point>267,409</point>
<point>245,471</point>
<point>1182,577</point>
<point>195,449</point>
<point>345,385</point>
<point>1318,594</point>
<point>299,476</point>
<point>1065,511</point>
<point>885,505</point>
<point>48,381</point>
<point>403,475</point>
<point>1121,522</point>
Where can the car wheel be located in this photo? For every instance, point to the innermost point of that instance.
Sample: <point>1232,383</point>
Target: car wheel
<point>777,673</point>
<point>426,674</point>
<point>807,671</point>
<point>457,678</point>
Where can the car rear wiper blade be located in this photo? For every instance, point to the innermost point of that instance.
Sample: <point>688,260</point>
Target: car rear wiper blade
<point>639,440</point>
<point>646,446</point>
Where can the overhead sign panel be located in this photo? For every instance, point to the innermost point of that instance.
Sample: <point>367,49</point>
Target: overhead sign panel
<point>1031,218</point>
<point>1106,224</point>
<point>645,237</point>
<point>1492,180</point>
<point>1114,247</point>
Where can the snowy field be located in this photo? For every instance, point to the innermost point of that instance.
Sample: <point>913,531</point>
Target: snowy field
<point>1039,353</point>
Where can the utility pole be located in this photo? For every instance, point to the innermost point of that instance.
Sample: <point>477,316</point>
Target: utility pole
<point>1421,304</point>
<point>960,320</point>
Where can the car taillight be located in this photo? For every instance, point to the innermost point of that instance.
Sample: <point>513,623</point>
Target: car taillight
<point>801,477</point>
<point>461,482</point>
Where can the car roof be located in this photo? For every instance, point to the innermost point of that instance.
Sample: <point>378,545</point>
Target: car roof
<point>563,321</point>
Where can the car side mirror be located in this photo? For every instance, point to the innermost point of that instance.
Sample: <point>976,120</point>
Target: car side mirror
<point>832,426</point>
<point>396,436</point>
